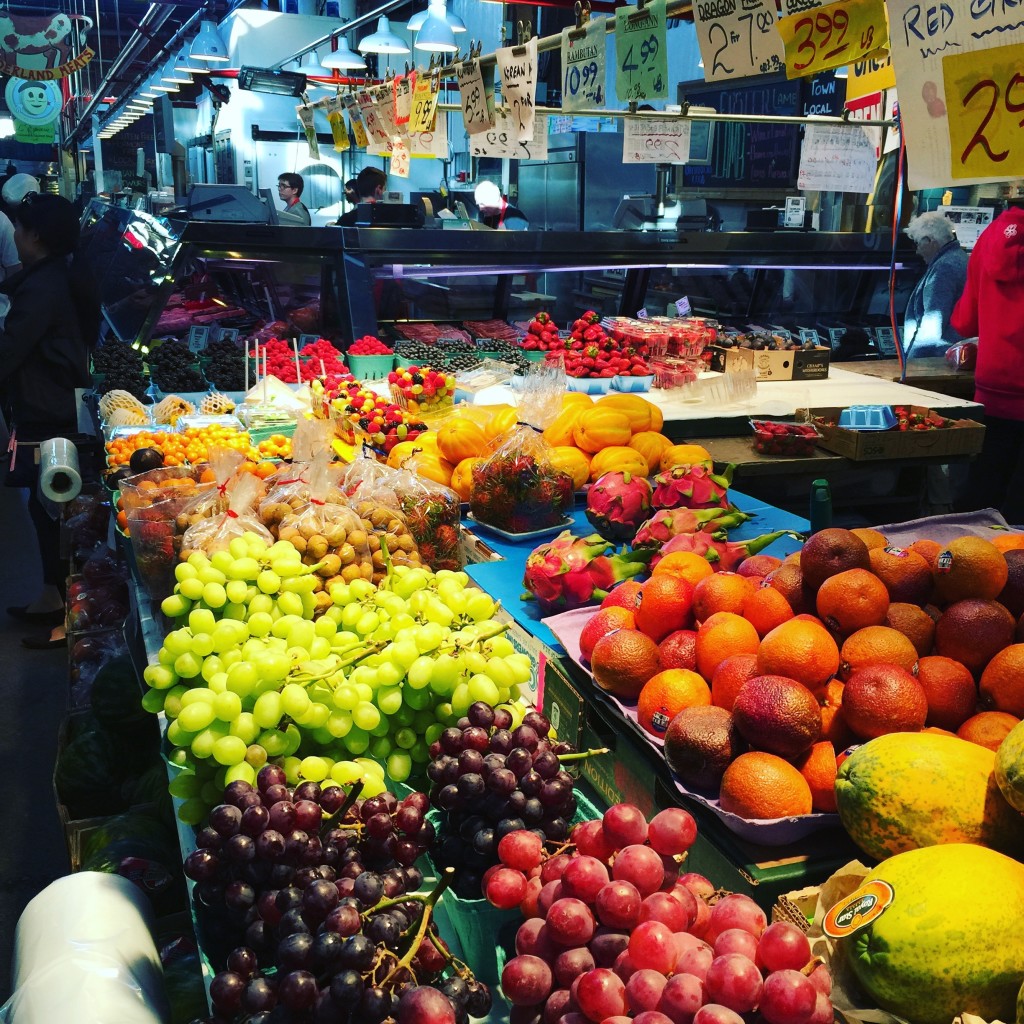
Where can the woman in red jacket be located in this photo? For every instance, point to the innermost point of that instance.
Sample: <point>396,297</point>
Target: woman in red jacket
<point>992,309</point>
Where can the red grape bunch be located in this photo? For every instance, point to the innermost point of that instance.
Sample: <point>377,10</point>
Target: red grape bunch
<point>320,888</point>
<point>490,780</point>
<point>613,933</point>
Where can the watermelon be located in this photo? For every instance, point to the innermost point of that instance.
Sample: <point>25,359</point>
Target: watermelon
<point>116,696</point>
<point>89,772</point>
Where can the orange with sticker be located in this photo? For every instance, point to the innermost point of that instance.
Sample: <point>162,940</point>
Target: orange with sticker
<point>858,910</point>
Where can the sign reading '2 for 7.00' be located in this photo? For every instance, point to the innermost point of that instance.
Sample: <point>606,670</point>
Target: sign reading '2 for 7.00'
<point>833,36</point>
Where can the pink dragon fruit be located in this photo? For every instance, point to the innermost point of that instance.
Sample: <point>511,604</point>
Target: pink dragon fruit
<point>617,504</point>
<point>693,486</point>
<point>570,572</point>
<point>669,522</point>
<point>724,555</point>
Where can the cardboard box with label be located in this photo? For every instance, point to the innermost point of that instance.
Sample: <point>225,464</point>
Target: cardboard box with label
<point>769,364</point>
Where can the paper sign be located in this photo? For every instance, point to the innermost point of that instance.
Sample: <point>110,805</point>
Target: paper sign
<point>399,159</point>
<point>584,53</point>
<point>641,57</point>
<point>968,222</point>
<point>517,66</point>
<point>885,340</point>
<point>871,75</point>
<point>198,337</point>
<point>985,97</point>
<point>476,99</point>
<point>641,314</point>
<point>655,140</point>
<point>355,120</point>
<point>833,35</point>
<point>307,339</point>
<point>500,140</point>
<point>424,104</point>
<point>305,115</point>
<point>683,306</point>
<point>809,335</point>
<point>433,143</point>
<point>384,101</point>
<point>923,38</point>
<point>371,118</point>
<point>737,38</point>
<point>837,158</point>
<point>403,88</point>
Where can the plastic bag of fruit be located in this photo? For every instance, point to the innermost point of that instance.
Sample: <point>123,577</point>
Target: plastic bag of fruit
<point>433,514</point>
<point>365,476</point>
<point>311,437</point>
<point>290,489</point>
<point>224,464</point>
<point>387,533</point>
<point>183,483</point>
<point>215,534</point>
<point>155,544</point>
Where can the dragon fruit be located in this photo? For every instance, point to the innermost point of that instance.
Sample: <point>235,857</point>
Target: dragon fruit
<point>724,555</point>
<point>693,486</point>
<point>570,572</point>
<point>617,504</point>
<point>667,523</point>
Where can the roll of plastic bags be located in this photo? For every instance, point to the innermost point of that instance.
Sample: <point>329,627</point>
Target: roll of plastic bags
<point>84,952</point>
<point>60,476</point>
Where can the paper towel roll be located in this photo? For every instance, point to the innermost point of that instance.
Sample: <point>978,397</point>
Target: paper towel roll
<point>60,478</point>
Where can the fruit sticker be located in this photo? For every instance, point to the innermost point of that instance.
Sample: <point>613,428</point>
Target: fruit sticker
<point>858,910</point>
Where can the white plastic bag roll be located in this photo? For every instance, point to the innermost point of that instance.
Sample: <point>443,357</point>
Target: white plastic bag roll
<point>83,952</point>
<point>60,478</point>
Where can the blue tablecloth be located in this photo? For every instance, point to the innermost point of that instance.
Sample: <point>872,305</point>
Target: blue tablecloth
<point>504,580</point>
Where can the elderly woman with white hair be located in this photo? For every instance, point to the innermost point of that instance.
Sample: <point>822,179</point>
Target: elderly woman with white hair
<point>926,327</point>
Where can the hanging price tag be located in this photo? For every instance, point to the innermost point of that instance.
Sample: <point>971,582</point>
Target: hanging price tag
<point>355,120</point>
<point>370,115</point>
<point>305,115</point>
<point>198,337</point>
<point>584,54</point>
<point>984,99</point>
<point>517,66</point>
<point>683,306</point>
<point>433,143</point>
<point>476,98</point>
<point>641,57</point>
<point>500,140</point>
<point>400,159</point>
<point>833,36</point>
<point>384,101</point>
<point>336,120</point>
<point>737,40</point>
<point>403,89</point>
<point>655,140</point>
<point>424,103</point>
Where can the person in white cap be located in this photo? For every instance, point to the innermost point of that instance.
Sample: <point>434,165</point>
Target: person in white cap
<point>18,186</point>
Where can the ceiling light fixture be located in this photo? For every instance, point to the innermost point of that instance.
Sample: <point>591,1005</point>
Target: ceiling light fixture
<point>343,58</point>
<point>310,65</point>
<point>172,73</point>
<point>436,35</point>
<point>383,40</point>
<point>208,45</point>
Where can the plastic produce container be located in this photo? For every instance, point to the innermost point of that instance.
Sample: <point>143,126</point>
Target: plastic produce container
<point>789,439</point>
<point>867,417</point>
<point>632,385</point>
<point>370,367</point>
<point>589,385</point>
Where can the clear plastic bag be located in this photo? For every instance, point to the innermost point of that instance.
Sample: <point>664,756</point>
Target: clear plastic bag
<point>963,355</point>
<point>540,400</point>
<point>225,463</point>
<point>385,526</point>
<point>365,476</point>
<point>211,535</point>
<point>290,489</point>
<point>311,437</point>
<point>433,514</point>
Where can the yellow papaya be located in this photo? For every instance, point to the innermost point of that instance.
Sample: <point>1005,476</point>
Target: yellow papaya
<point>636,409</point>
<point>599,428</point>
<point>684,455</point>
<point>559,433</point>
<point>651,445</point>
<point>571,460</point>
<point>619,458</point>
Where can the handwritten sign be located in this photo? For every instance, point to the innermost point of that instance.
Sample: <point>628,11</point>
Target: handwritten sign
<point>683,307</point>
<point>655,140</point>
<point>384,103</point>
<point>833,35</point>
<point>737,38</point>
<point>476,98</point>
<point>641,52</point>
<point>403,89</point>
<point>837,158</point>
<point>868,76</point>
<point>517,66</point>
<point>339,131</point>
<point>355,120</point>
<point>985,93</point>
<point>500,141</point>
<point>424,103</point>
<point>584,54</point>
<point>305,115</point>
<point>399,158</point>
<point>370,117</point>
<point>433,143</point>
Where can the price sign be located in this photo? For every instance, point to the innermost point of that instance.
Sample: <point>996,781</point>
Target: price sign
<point>198,338</point>
<point>885,340</point>
<point>641,57</point>
<point>424,104</point>
<point>683,306</point>
<point>400,158</point>
<point>837,158</point>
<point>403,89</point>
<point>433,143</point>
<point>641,314</point>
<point>336,120</point>
<point>307,339</point>
<point>305,115</point>
<point>584,52</point>
<point>517,66</point>
<point>476,98</point>
<point>371,119</point>
<point>809,334</point>
<point>500,141</point>
<point>655,140</point>
<point>985,98</point>
<point>833,35</point>
<point>355,119</point>
<point>384,103</point>
<point>737,39</point>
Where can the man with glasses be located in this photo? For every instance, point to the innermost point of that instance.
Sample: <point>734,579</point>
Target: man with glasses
<point>289,191</point>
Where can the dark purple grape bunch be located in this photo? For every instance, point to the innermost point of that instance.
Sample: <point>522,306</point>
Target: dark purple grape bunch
<point>488,779</point>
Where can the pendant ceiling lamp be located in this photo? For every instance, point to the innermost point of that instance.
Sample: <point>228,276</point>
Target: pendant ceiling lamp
<point>436,35</point>
<point>173,72</point>
<point>149,91</point>
<point>383,40</point>
<point>310,65</point>
<point>343,58</point>
<point>417,21</point>
<point>191,64</point>
<point>208,45</point>
<point>159,82</point>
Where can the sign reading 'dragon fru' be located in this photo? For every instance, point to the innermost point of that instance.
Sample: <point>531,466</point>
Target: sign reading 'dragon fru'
<point>39,47</point>
<point>960,77</point>
<point>737,38</point>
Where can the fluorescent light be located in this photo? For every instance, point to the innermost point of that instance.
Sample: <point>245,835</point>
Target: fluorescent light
<point>208,45</point>
<point>383,40</point>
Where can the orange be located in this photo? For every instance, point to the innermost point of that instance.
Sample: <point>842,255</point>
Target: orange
<point>729,676</point>
<point>666,694</point>
<point>720,592</point>
<point>765,609</point>
<point>717,640</point>
<point>760,785</point>
<point>801,649</point>
<point>976,568</point>
<point>926,548</point>
<point>685,564</point>
<point>624,595</point>
<point>818,767</point>
<point>788,580</point>
<point>664,604</point>
<point>973,631</point>
<point>777,714</point>
<point>679,650</point>
<point>1002,683</point>
<point>851,600</point>
<point>950,691</point>
<point>833,724</point>
<point>872,538</point>
<point>906,574</point>
<point>876,645</point>
<point>1012,595</point>
<point>758,565</point>
<point>623,661</point>
<point>880,699</point>
<point>831,551</point>
<point>1008,541</point>
<point>988,728</point>
<point>914,623</point>
<point>603,622</point>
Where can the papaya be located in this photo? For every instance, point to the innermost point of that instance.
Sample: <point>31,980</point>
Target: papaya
<point>599,428</point>
<point>462,477</point>
<point>907,790</point>
<point>651,445</point>
<point>636,409</point>
<point>571,460</point>
<point>1010,767</point>
<point>460,438</point>
<point>952,939</point>
<point>684,455</point>
<point>576,398</point>
<point>620,459</point>
<point>559,433</point>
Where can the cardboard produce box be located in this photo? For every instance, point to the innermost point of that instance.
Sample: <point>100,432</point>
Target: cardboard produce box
<point>768,364</point>
<point>964,437</point>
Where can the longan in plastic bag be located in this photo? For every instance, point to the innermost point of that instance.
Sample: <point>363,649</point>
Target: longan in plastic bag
<point>212,535</point>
